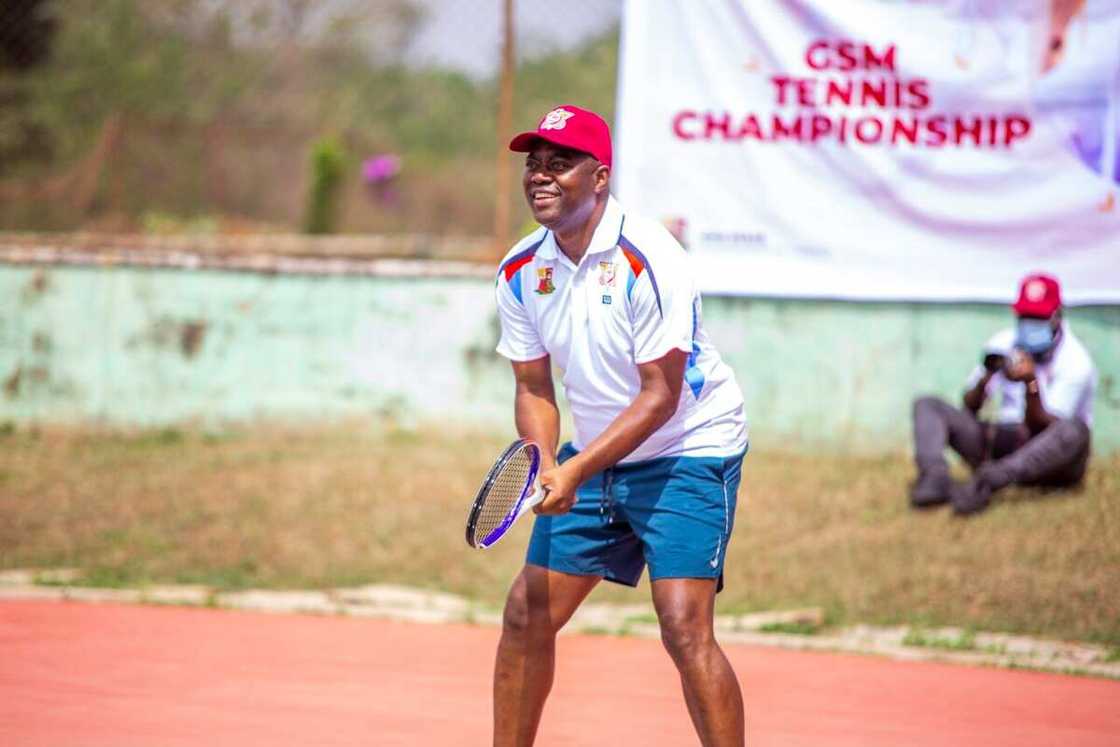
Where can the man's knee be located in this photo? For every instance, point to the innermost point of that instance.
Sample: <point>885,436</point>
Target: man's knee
<point>683,636</point>
<point>928,404</point>
<point>1071,438</point>
<point>1070,433</point>
<point>526,615</point>
<point>1057,455</point>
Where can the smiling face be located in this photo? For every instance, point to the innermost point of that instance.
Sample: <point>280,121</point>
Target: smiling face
<point>563,186</point>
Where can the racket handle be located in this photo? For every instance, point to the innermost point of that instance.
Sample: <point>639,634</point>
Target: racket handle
<point>535,499</point>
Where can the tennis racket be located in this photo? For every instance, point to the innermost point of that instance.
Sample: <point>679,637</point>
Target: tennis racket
<point>509,490</point>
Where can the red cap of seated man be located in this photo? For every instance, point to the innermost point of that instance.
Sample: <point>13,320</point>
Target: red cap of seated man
<point>1039,296</point>
<point>570,127</point>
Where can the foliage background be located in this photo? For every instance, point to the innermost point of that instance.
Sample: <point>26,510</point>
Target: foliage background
<point>125,115</point>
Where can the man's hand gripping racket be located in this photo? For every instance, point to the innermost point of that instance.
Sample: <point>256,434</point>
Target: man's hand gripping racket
<point>508,492</point>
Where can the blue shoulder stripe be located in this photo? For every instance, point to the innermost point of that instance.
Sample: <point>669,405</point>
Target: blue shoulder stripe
<point>511,268</point>
<point>638,263</point>
<point>693,374</point>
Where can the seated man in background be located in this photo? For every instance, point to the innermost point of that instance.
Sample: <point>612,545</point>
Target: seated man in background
<point>1044,378</point>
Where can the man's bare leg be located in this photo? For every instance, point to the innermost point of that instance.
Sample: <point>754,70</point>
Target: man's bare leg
<point>685,610</point>
<point>539,603</point>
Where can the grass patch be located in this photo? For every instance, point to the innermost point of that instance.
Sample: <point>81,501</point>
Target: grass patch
<point>238,577</point>
<point>642,619</point>
<point>53,582</point>
<point>996,649</point>
<point>630,622</point>
<point>283,507</point>
<point>122,576</point>
<point>45,579</point>
<point>801,627</point>
<point>963,641</point>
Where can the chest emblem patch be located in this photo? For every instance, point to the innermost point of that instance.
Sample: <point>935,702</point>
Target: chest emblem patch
<point>544,281</point>
<point>607,273</point>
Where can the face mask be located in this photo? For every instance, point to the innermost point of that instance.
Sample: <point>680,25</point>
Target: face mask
<point>1036,336</point>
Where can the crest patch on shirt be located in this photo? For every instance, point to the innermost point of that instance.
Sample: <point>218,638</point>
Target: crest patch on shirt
<point>544,281</point>
<point>607,273</point>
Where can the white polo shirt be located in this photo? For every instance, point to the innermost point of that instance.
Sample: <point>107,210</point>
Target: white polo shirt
<point>631,300</point>
<point>1066,382</point>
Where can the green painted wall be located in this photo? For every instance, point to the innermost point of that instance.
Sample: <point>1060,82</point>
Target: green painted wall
<point>845,374</point>
<point>125,345</point>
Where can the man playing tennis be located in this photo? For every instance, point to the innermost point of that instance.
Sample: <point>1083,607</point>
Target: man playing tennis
<point>650,477</point>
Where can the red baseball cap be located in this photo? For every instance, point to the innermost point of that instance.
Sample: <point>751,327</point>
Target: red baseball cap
<point>570,127</point>
<point>1039,296</point>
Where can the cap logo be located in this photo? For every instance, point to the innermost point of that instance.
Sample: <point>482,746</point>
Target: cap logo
<point>1035,290</point>
<point>556,119</point>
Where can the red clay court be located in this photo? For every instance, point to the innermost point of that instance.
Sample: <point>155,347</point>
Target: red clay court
<point>109,675</point>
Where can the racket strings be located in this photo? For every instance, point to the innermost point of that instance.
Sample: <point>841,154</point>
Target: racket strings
<point>504,492</point>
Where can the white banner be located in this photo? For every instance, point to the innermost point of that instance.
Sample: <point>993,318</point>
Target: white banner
<point>877,149</point>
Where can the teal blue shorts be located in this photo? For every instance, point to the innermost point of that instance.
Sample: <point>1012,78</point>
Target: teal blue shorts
<point>674,514</point>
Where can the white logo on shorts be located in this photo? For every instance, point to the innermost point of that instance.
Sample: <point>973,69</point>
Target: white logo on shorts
<point>557,119</point>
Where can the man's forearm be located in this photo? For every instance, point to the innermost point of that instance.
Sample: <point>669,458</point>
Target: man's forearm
<point>1036,415</point>
<point>974,397</point>
<point>648,412</point>
<point>538,419</point>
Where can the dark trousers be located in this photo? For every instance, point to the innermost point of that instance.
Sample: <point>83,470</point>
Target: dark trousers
<point>1055,456</point>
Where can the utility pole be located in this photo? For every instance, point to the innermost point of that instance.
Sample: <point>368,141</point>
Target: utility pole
<point>504,128</point>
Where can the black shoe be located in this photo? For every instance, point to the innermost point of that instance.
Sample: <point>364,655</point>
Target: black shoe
<point>930,489</point>
<point>971,497</point>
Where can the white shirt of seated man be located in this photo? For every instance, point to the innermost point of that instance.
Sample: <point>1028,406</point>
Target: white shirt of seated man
<point>1067,380</point>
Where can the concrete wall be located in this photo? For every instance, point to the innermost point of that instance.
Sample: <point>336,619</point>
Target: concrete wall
<point>135,346</point>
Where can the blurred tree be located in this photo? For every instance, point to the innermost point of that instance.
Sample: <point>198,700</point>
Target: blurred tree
<point>26,32</point>
<point>122,57</point>
<point>194,60</point>
<point>328,163</point>
<point>219,103</point>
<point>584,76</point>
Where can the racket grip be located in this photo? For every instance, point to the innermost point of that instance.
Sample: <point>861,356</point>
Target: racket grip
<point>535,499</point>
